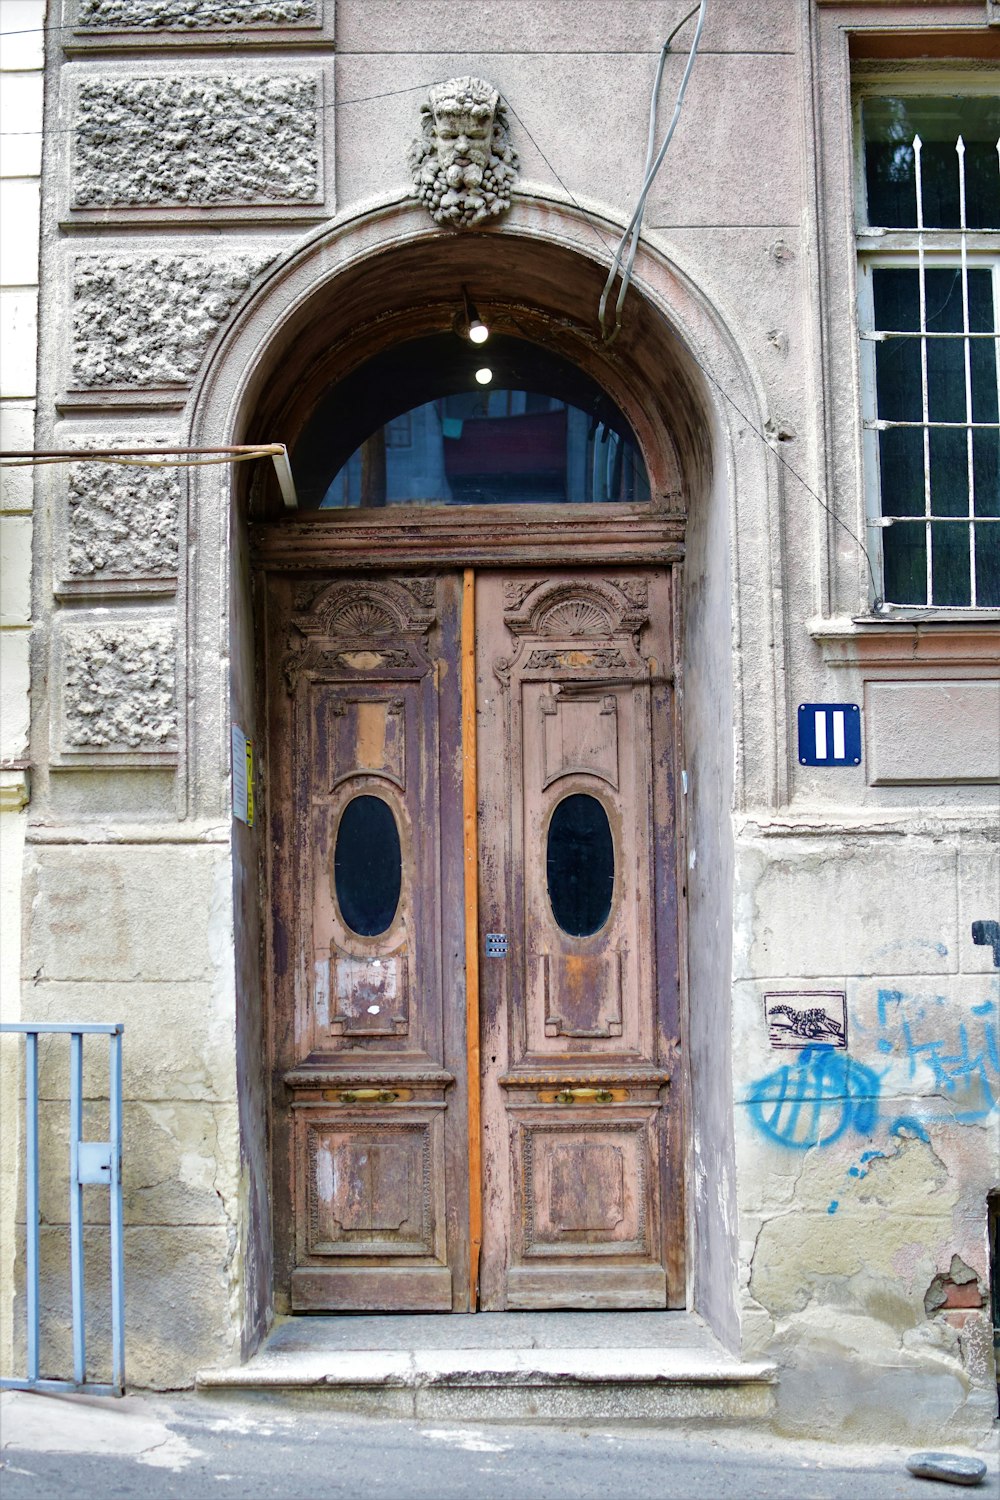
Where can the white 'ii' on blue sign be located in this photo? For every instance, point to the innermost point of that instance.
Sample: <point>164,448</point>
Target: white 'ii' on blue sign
<point>829,734</point>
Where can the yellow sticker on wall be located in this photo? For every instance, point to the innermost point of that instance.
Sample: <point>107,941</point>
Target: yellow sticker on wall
<point>249,783</point>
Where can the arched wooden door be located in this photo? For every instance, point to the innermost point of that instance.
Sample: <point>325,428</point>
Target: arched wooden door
<point>578,1166</point>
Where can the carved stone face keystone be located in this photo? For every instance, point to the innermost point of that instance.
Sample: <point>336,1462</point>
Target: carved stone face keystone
<point>462,162</point>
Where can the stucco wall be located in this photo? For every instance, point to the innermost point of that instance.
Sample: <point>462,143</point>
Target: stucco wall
<point>141,902</point>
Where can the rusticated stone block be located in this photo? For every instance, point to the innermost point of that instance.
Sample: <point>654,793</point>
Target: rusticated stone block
<point>196,139</point>
<point>146,320</point>
<point>190,15</point>
<point>122,521</point>
<point>118,687</point>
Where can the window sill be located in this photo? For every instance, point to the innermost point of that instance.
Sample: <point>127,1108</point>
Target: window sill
<point>910,639</point>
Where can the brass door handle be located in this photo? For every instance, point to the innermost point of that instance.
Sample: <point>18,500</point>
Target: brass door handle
<point>580,1096</point>
<point>368,1096</point>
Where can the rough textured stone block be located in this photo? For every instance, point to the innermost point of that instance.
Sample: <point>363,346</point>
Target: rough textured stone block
<point>146,320</point>
<point>191,15</point>
<point>932,731</point>
<point>122,521</point>
<point>198,139</point>
<point>118,688</point>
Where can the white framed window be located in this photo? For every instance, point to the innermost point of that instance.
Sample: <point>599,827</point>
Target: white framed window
<point>928,234</point>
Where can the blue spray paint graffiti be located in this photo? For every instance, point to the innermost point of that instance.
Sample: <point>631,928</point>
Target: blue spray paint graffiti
<point>814,1100</point>
<point>962,1078</point>
<point>949,1078</point>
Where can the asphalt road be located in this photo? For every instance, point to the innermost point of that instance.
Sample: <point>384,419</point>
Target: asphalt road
<point>188,1447</point>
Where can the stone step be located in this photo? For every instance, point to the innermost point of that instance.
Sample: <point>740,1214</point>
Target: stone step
<point>556,1384</point>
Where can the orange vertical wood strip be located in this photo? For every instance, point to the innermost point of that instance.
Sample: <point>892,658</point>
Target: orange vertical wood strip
<point>470,820</point>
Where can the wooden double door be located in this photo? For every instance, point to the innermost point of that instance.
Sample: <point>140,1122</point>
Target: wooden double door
<point>474,953</point>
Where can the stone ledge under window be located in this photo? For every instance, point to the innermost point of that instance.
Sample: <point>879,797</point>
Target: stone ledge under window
<point>902,643</point>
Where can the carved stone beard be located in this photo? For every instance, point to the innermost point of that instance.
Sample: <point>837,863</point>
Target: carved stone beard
<point>459,180</point>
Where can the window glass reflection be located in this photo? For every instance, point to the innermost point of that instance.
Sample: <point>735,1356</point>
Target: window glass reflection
<point>490,447</point>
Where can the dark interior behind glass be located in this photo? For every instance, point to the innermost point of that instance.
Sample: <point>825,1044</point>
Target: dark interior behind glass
<point>413,426</point>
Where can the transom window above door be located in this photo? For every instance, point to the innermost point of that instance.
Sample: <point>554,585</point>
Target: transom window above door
<point>440,421</point>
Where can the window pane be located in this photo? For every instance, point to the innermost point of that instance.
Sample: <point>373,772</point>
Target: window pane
<point>580,865</point>
<point>901,471</point>
<point>983,352</point>
<point>896,294</point>
<point>415,425</point>
<point>367,866</point>
<point>986,468</point>
<point>988,566</point>
<point>949,451</point>
<point>945,357</point>
<point>950,565</point>
<point>494,447</point>
<point>986,472</point>
<point>904,556</point>
<point>889,126</point>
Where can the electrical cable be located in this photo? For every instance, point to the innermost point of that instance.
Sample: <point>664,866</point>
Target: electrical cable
<point>652,166</point>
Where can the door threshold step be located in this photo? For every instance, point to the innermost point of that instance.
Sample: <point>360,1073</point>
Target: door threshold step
<point>566,1384</point>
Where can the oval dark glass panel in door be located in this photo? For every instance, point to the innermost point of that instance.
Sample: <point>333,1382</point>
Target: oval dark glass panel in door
<point>580,865</point>
<point>368,866</point>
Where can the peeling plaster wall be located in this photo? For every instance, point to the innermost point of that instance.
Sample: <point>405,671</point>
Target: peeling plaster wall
<point>864,1172</point>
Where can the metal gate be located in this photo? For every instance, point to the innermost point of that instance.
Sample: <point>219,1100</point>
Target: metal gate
<point>91,1163</point>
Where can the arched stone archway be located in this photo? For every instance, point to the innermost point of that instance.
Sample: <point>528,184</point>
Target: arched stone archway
<point>358,287</point>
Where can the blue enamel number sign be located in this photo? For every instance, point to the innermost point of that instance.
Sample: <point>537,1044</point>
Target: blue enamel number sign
<point>829,734</point>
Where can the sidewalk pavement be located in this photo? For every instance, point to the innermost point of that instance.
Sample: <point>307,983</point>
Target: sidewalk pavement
<point>188,1446</point>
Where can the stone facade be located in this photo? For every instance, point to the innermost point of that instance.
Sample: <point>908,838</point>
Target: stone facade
<point>836,1197</point>
<point>118,688</point>
<point>190,15</point>
<point>200,139</point>
<point>121,522</point>
<point>146,320</point>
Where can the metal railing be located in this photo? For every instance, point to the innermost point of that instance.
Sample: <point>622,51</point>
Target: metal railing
<point>91,1163</point>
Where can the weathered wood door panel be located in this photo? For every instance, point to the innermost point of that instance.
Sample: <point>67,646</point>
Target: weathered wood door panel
<point>581,1145</point>
<point>370,1117</point>
<point>582,1197</point>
